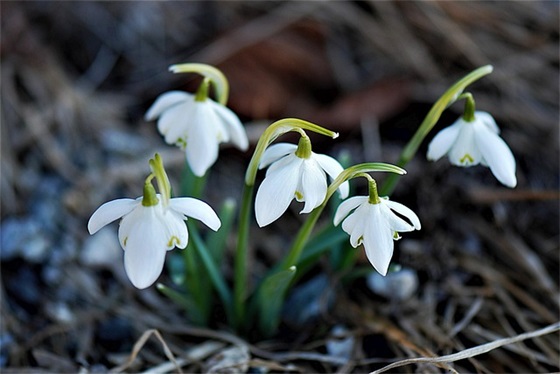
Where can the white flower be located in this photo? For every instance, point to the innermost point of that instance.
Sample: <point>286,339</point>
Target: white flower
<point>376,226</point>
<point>197,126</point>
<point>471,143</point>
<point>146,233</point>
<point>291,176</point>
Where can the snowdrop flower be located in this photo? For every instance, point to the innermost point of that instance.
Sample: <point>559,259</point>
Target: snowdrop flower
<point>374,224</point>
<point>197,124</point>
<point>294,171</point>
<point>468,143</point>
<point>151,225</point>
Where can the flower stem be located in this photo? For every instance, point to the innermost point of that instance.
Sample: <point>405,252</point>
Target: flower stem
<point>274,131</point>
<point>303,235</point>
<point>449,97</point>
<point>242,256</point>
<point>219,80</point>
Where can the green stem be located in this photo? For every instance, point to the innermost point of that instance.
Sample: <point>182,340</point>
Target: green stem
<point>274,131</point>
<point>448,98</point>
<point>216,76</point>
<point>303,235</point>
<point>241,256</point>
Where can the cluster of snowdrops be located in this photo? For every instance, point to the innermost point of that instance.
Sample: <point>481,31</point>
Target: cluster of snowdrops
<point>155,223</point>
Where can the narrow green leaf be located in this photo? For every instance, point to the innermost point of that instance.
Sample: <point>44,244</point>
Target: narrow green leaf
<point>184,301</point>
<point>211,268</point>
<point>217,241</point>
<point>271,299</point>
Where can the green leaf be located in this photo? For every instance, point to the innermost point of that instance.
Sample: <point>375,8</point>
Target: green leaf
<point>184,301</point>
<point>176,268</point>
<point>217,241</point>
<point>270,299</point>
<point>211,269</point>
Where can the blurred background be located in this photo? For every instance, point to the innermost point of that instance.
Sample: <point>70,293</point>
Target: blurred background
<point>77,78</point>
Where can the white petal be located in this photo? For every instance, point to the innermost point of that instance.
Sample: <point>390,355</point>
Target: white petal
<point>164,102</point>
<point>443,141</point>
<point>129,221</point>
<point>174,123</point>
<point>202,142</point>
<point>314,185</point>
<point>277,190</point>
<point>487,120</point>
<point>465,151</point>
<point>395,222</point>
<point>233,125</point>
<point>333,169</point>
<point>197,209</point>
<point>347,206</point>
<point>497,155</point>
<point>145,251</point>
<point>355,224</point>
<point>109,212</point>
<point>378,240</point>
<point>405,211</point>
<point>177,233</point>
<point>276,152</point>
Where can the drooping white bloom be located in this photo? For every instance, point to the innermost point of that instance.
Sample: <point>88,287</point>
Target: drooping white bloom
<point>290,176</point>
<point>146,233</point>
<point>375,226</point>
<point>471,143</point>
<point>197,126</point>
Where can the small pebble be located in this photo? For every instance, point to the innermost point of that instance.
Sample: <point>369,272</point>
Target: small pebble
<point>398,285</point>
<point>340,344</point>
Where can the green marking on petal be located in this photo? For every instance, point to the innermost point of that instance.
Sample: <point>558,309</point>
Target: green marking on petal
<point>181,143</point>
<point>124,241</point>
<point>299,196</point>
<point>396,235</point>
<point>173,241</point>
<point>466,159</point>
<point>360,240</point>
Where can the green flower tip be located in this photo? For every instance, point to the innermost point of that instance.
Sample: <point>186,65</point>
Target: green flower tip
<point>149,197</point>
<point>372,189</point>
<point>304,147</point>
<point>202,91</point>
<point>468,113</point>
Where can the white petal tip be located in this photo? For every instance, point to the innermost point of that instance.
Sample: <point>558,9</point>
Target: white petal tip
<point>511,184</point>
